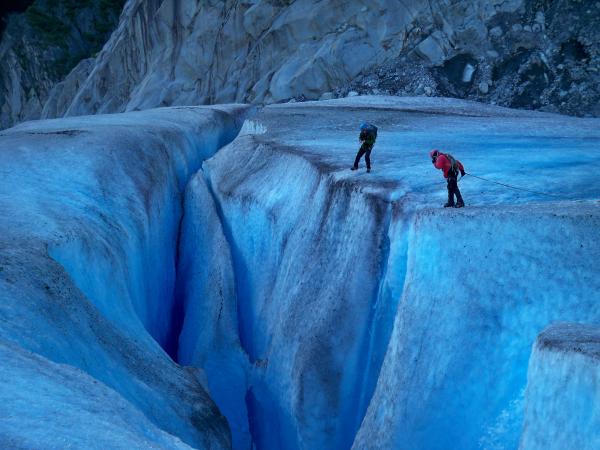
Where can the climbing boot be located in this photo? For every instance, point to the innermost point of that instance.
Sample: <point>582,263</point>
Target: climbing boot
<point>460,204</point>
<point>353,168</point>
<point>368,170</point>
<point>449,205</point>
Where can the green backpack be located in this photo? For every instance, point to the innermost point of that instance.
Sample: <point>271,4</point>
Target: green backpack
<point>368,131</point>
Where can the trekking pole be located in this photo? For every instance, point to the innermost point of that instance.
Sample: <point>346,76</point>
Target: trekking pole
<point>517,188</point>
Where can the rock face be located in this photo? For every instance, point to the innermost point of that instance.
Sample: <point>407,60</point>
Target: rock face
<point>563,391</point>
<point>514,53</point>
<point>42,45</point>
<point>520,54</point>
<point>174,52</point>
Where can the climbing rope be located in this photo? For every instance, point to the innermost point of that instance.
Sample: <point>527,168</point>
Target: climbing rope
<point>517,188</point>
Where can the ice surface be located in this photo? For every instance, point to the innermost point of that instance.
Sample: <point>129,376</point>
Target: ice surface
<point>49,405</point>
<point>89,211</point>
<point>541,152</point>
<point>563,391</point>
<point>371,316</point>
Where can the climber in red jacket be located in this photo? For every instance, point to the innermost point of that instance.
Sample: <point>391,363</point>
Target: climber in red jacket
<point>451,167</point>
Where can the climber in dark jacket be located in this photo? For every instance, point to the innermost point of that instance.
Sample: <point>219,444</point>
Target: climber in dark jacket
<point>368,136</point>
<point>451,167</point>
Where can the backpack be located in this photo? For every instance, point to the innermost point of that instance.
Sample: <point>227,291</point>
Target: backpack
<point>453,165</point>
<point>369,131</point>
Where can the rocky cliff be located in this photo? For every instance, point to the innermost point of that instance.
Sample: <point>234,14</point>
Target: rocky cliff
<point>541,54</point>
<point>533,54</point>
<point>42,45</point>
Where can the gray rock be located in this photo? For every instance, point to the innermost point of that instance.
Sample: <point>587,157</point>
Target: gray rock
<point>517,27</point>
<point>260,52</point>
<point>540,18</point>
<point>352,94</point>
<point>327,96</point>
<point>33,58</point>
<point>484,88</point>
<point>527,28</point>
<point>62,94</point>
<point>174,52</point>
<point>433,49</point>
<point>496,32</point>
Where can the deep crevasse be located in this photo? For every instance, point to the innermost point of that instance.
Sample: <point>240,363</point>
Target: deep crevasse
<point>311,298</point>
<point>298,278</point>
<point>206,290</point>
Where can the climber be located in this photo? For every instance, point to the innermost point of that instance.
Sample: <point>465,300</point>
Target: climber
<point>368,135</point>
<point>451,168</point>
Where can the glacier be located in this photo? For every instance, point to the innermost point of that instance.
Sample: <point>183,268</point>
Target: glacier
<point>370,316</point>
<point>90,213</point>
<point>265,296</point>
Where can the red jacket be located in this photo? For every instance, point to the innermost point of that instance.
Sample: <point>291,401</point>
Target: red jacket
<point>444,164</point>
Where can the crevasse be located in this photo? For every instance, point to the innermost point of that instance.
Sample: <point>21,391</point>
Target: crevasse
<point>142,269</point>
<point>312,297</point>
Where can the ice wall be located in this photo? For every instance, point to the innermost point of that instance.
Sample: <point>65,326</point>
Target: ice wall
<point>205,295</point>
<point>90,211</point>
<point>307,277</point>
<point>563,395</point>
<point>480,285</point>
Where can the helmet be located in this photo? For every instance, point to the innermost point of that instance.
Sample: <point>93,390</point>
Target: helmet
<point>434,153</point>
